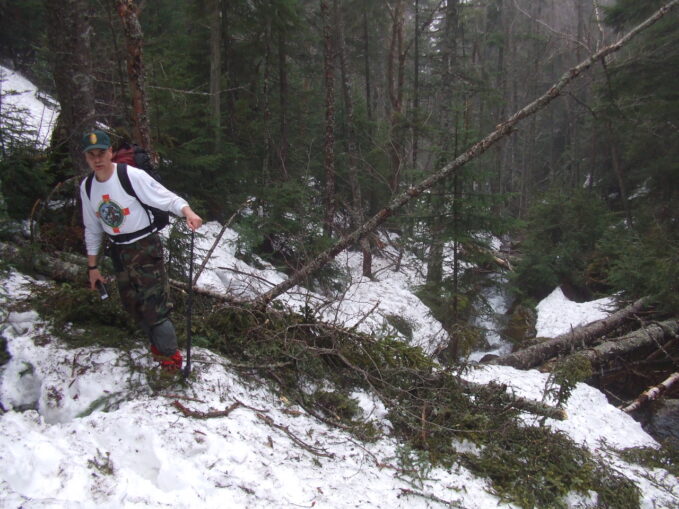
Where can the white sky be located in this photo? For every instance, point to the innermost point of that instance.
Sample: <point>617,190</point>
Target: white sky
<point>145,453</point>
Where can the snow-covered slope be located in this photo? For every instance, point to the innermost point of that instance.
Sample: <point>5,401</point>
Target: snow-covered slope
<point>98,436</point>
<point>21,100</point>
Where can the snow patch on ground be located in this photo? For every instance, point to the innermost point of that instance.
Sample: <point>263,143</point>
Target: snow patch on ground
<point>22,99</point>
<point>95,434</point>
<point>557,314</point>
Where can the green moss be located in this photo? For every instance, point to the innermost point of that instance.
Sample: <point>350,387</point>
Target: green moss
<point>521,325</point>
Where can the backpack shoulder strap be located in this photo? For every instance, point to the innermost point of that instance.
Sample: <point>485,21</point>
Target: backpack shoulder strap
<point>125,181</point>
<point>88,185</point>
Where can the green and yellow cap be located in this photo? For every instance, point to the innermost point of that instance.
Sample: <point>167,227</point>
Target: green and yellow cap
<point>95,139</point>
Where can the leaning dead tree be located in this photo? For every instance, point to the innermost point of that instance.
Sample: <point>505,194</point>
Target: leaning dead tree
<point>580,337</point>
<point>501,131</point>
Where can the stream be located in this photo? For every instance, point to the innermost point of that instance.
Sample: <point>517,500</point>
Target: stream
<point>492,304</point>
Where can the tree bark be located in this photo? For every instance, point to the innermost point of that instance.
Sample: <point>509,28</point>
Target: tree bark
<point>70,33</point>
<point>329,143</point>
<point>650,335</point>
<point>357,216</point>
<point>501,131</point>
<point>580,337</point>
<point>128,12</point>
<point>366,66</point>
<point>284,144</point>
<point>215,13</point>
<point>395,80</point>
<point>652,394</point>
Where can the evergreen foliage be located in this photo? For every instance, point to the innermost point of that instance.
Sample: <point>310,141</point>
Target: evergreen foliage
<point>317,366</point>
<point>642,102</point>
<point>23,180</point>
<point>562,232</point>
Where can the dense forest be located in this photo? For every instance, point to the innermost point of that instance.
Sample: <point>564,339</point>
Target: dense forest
<point>528,144</point>
<point>322,113</point>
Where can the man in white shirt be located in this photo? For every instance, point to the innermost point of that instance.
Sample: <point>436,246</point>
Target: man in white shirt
<point>135,247</point>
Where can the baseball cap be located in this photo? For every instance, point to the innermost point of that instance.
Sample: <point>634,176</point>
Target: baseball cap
<point>95,139</point>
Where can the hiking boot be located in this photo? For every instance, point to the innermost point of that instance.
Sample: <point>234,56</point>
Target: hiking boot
<point>168,363</point>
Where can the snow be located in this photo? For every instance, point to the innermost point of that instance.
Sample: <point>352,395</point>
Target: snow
<point>81,428</point>
<point>557,315</point>
<point>37,112</point>
<point>366,304</point>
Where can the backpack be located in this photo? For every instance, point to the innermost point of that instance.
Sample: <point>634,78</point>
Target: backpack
<point>139,158</point>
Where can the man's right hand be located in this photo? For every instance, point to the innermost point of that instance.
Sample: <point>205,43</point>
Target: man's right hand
<point>94,276</point>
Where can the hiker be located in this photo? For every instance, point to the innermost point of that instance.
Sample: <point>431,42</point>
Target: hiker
<point>136,248</point>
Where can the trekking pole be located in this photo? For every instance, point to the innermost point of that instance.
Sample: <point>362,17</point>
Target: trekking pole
<point>189,309</point>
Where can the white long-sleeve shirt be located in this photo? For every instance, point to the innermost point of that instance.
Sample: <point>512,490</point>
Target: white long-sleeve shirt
<point>112,211</point>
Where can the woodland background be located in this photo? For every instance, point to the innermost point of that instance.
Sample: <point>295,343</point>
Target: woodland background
<point>296,122</point>
<point>322,111</point>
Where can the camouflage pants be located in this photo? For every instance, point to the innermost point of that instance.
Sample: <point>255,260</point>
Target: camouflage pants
<point>143,285</point>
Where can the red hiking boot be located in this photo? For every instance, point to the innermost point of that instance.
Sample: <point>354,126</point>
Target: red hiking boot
<point>171,363</point>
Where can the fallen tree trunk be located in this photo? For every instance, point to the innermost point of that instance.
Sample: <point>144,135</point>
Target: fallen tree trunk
<point>651,335</point>
<point>652,394</point>
<point>566,343</point>
<point>46,264</point>
<point>71,267</point>
<point>502,130</point>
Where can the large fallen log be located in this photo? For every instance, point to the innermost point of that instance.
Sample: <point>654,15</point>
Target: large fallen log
<point>652,335</point>
<point>578,338</point>
<point>45,264</point>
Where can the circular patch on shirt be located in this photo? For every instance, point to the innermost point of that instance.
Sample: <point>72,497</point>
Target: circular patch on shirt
<point>111,213</point>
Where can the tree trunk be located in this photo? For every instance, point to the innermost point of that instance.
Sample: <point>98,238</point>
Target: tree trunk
<point>128,10</point>
<point>395,74</point>
<point>416,85</point>
<point>502,130</point>
<point>357,216</point>
<point>578,338</point>
<point>366,64</point>
<point>650,335</point>
<point>439,199</point>
<point>329,143</point>
<point>215,12</point>
<point>268,141</point>
<point>69,34</point>
<point>283,145</point>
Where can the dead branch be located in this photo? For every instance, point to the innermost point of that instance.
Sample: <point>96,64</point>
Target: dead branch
<point>205,415</point>
<point>652,394</point>
<point>314,450</point>
<point>501,131</point>
<point>428,496</point>
<point>219,237</point>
